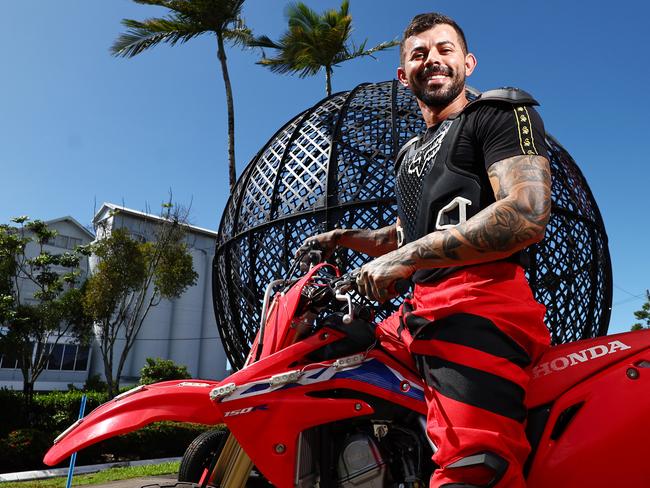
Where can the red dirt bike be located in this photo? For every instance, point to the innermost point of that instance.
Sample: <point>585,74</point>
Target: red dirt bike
<point>319,403</point>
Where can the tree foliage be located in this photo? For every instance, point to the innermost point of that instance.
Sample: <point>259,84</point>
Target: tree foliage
<point>129,279</point>
<point>189,19</point>
<point>40,296</point>
<point>314,42</point>
<point>643,315</point>
<point>156,370</point>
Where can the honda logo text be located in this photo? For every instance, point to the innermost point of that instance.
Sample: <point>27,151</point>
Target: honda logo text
<point>563,362</point>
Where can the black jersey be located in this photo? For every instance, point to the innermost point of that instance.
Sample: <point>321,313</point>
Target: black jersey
<point>441,178</point>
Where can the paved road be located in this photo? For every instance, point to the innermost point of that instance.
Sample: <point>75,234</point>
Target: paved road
<point>139,482</point>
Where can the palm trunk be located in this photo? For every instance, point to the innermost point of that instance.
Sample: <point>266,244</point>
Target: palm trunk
<point>221,54</point>
<point>328,80</point>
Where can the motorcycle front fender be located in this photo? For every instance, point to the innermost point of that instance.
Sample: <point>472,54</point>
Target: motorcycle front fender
<point>178,400</point>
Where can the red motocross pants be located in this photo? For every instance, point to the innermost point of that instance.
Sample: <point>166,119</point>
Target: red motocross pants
<point>473,337</point>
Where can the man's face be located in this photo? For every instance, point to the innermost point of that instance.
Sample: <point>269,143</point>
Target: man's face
<point>435,66</point>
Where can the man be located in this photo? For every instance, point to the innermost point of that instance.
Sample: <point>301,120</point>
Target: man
<point>472,192</point>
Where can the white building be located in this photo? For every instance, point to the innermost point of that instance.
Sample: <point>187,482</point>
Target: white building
<point>184,329</point>
<point>69,363</point>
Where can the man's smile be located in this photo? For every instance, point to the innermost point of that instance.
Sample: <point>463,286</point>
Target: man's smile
<point>435,74</point>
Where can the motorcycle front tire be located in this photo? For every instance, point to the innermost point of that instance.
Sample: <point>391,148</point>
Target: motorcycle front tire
<point>202,451</point>
<point>200,454</point>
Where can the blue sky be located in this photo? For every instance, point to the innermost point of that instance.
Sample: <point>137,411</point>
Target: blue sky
<point>79,127</point>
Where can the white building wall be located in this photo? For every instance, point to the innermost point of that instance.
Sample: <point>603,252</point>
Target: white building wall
<point>70,234</point>
<point>183,330</point>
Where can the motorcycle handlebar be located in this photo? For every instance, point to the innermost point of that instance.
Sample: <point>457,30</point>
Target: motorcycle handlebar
<point>349,280</point>
<point>312,253</point>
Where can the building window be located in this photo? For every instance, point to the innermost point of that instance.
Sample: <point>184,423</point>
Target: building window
<point>68,357</point>
<point>56,356</point>
<point>73,242</point>
<point>69,354</point>
<point>82,358</point>
<point>9,361</point>
<point>63,357</point>
<point>64,242</point>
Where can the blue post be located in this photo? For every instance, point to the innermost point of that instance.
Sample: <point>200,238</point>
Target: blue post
<point>73,458</point>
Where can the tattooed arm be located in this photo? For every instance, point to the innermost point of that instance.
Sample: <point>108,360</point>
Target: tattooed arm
<point>522,187</point>
<point>372,242</point>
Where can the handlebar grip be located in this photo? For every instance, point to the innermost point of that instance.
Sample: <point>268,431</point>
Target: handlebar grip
<point>401,286</point>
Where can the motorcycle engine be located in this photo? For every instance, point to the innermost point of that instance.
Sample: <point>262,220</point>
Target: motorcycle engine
<point>360,463</point>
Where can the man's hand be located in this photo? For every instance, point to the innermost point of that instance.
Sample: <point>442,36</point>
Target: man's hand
<point>372,242</point>
<point>376,280</point>
<point>325,242</point>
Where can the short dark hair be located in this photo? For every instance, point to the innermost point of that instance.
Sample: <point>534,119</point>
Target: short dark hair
<point>423,22</point>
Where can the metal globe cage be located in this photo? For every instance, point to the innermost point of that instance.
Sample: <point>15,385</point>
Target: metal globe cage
<point>332,166</point>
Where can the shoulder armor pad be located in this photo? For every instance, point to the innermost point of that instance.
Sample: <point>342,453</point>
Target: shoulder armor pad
<point>405,148</point>
<point>508,94</point>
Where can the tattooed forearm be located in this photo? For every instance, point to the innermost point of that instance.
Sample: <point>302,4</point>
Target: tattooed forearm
<point>372,242</point>
<point>522,187</point>
<point>448,249</point>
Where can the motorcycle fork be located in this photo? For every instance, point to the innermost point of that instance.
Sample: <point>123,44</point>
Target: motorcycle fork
<point>233,467</point>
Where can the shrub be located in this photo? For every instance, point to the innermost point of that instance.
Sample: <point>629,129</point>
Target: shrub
<point>23,449</point>
<point>162,439</point>
<point>12,408</point>
<point>56,410</point>
<point>158,369</point>
<point>95,383</point>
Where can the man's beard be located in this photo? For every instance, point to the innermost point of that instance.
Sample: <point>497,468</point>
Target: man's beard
<point>442,96</point>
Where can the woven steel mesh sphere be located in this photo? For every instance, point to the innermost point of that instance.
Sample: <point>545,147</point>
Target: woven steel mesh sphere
<point>332,166</point>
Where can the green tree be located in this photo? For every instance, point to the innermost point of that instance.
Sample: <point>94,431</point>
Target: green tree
<point>130,278</point>
<point>643,315</point>
<point>156,370</point>
<point>315,41</point>
<point>40,297</point>
<point>189,19</point>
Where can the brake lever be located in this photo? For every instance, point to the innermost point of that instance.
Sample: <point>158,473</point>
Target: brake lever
<point>345,297</point>
<point>341,292</point>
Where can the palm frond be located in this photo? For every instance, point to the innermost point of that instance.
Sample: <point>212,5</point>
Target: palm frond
<point>212,14</point>
<point>288,61</point>
<point>180,6</point>
<point>301,16</point>
<point>264,41</point>
<point>345,8</point>
<point>335,18</point>
<point>238,36</point>
<point>361,51</point>
<point>313,41</point>
<point>141,36</point>
<point>276,65</point>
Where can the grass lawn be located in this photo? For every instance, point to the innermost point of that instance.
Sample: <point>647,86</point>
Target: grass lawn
<point>112,474</point>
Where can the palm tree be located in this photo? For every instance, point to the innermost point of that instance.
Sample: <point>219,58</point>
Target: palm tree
<point>189,19</point>
<point>314,41</point>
